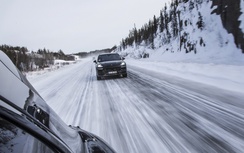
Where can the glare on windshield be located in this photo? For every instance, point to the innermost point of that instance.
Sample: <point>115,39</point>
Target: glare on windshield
<point>108,57</point>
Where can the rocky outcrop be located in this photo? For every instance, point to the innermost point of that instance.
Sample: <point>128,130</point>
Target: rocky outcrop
<point>229,11</point>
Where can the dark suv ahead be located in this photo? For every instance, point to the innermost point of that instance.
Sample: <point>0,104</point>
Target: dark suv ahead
<point>28,124</point>
<point>110,65</point>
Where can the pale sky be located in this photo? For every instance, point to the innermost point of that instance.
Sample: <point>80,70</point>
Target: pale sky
<point>72,25</point>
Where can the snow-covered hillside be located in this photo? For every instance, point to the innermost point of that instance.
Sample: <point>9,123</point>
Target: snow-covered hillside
<point>214,58</point>
<point>209,44</point>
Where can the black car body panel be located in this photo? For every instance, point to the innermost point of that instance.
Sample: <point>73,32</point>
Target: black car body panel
<point>14,125</point>
<point>110,65</point>
<point>24,109</point>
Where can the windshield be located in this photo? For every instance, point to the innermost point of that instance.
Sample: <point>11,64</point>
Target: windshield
<point>108,57</point>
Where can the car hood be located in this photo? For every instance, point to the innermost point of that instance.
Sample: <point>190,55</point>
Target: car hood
<point>16,93</point>
<point>111,63</point>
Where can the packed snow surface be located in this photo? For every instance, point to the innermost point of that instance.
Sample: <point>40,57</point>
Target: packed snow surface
<point>160,107</point>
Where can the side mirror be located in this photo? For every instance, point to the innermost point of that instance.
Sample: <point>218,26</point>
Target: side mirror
<point>123,58</point>
<point>95,61</point>
<point>39,114</point>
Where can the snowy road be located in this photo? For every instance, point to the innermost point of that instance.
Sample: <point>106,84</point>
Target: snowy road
<point>146,112</point>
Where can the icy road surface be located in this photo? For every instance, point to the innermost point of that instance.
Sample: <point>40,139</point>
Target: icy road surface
<point>147,112</point>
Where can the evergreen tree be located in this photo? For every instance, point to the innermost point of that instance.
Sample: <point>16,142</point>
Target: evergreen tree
<point>191,5</point>
<point>155,24</point>
<point>161,21</point>
<point>166,21</point>
<point>174,21</point>
<point>200,23</point>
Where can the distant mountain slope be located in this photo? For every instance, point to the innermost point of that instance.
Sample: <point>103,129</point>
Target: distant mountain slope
<point>95,52</point>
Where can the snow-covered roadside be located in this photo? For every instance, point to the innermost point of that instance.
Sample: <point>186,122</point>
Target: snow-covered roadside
<point>57,67</point>
<point>229,77</point>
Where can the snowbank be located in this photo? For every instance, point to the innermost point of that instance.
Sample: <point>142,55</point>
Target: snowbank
<point>229,77</point>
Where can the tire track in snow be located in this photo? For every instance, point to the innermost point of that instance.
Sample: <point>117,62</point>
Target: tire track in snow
<point>194,112</point>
